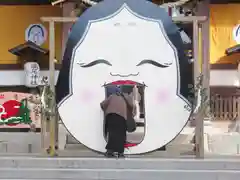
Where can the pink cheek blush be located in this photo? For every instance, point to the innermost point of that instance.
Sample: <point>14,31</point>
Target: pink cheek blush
<point>163,95</point>
<point>86,96</point>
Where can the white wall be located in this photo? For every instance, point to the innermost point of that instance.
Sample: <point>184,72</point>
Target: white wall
<point>223,77</point>
<point>17,77</point>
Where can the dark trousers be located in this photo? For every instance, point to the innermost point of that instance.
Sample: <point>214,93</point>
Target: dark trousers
<point>115,127</point>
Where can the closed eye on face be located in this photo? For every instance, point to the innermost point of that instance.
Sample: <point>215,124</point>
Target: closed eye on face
<point>155,63</point>
<point>93,63</point>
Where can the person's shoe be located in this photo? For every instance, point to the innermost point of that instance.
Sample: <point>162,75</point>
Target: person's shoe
<point>109,154</point>
<point>120,155</point>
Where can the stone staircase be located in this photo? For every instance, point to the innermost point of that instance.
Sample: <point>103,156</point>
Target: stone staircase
<point>37,168</point>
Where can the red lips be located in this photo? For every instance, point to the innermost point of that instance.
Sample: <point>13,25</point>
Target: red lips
<point>129,145</point>
<point>124,82</point>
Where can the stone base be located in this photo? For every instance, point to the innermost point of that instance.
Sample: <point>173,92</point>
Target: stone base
<point>216,141</point>
<point>20,142</point>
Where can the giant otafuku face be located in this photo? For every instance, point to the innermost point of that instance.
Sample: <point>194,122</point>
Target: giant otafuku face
<point>119,40</point>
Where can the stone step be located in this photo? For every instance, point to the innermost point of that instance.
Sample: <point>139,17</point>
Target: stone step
<point>184,136</point>
<point>127,163</point>
<point>117,174</point>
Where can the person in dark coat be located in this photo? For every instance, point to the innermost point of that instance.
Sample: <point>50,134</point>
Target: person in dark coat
<point>115,111</point>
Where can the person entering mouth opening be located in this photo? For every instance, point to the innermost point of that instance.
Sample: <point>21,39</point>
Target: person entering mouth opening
<point>115,112</point>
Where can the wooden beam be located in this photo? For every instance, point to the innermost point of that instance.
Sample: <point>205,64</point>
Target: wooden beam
<point>188,19</point>
<point>58,2</point>
<point>59,19</point>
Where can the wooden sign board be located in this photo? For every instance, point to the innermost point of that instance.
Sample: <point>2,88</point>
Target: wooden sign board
<point>17,110</point>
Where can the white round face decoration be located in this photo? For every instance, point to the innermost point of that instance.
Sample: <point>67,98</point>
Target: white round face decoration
<point>122,42</point>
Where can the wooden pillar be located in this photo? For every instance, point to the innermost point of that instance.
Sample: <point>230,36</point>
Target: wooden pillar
<point>198,116</point>
<point>206,75</point>
<point>53,122</point>
<point>238,99</point>
<point>43,130</point>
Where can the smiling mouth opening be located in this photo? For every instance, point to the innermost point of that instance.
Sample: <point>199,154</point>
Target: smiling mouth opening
<point>130,84</point>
